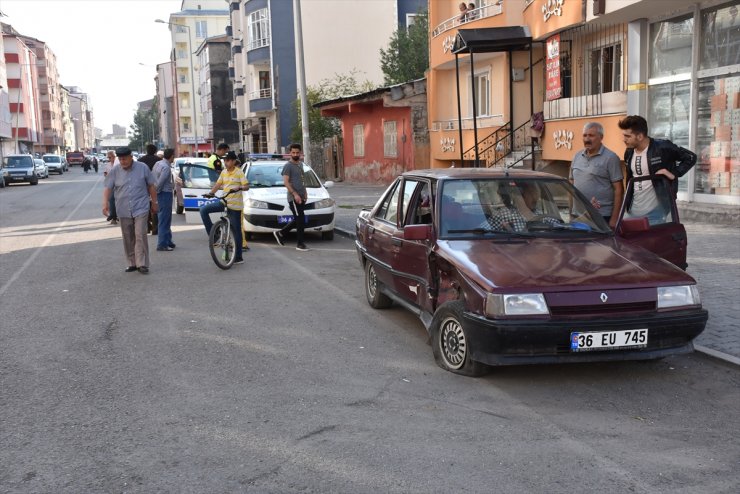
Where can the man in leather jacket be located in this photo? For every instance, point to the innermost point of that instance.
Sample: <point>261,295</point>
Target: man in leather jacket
<point>654,157</point>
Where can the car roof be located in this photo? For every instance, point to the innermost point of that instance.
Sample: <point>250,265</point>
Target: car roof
<point>471,173</point>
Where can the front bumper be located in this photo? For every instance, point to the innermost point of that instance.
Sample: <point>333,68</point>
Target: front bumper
<point>266,223</point>
<point>20,178</point>
<point>528,341</point>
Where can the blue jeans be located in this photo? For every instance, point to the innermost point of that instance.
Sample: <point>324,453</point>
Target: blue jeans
<point>164,217</point>
<point>235,217</point>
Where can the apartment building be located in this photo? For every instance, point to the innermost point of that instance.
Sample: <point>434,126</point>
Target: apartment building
<point>69,143</point>
<point>164,82</point>
<point>196,21</point>
<point>81,115</point>
<point>673,62</point>
<point>338,37</point>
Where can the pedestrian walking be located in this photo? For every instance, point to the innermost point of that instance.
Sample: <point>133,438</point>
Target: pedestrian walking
<point>112,161</point>
<point>657,158</point>
<point>94,160</point>
<point>232,178</point>
<point>297,196</point>
<point>86,164</point>
<point>596,171</point>
<point>163,179</point>
<point>136,194</point>
<point>150,159</point>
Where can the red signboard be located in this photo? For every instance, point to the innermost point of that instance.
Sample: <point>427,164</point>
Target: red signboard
<point>553,89</point>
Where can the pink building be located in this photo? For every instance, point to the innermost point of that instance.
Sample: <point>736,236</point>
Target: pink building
<point>23,95</point>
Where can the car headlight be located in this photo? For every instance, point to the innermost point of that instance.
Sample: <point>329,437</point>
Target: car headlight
<point>255,204</point>
<point>678,296</point>
<point>517,304</point>
<point>324,203</point>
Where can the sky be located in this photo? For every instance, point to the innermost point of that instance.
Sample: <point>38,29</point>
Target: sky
<point>99,45</point>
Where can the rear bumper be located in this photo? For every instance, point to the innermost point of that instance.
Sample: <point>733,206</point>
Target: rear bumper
<point>513,342</point>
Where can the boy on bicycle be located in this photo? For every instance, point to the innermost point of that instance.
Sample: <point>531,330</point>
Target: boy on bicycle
<point>231,179</point>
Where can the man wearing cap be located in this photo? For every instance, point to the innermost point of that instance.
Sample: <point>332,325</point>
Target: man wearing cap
<point>232,178</point>
<point>136,193</point>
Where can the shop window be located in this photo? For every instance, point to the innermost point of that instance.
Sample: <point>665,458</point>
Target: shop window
<point>670,45</point>
<point>390,139</point>
<point>720,39</point>
<point>668,116</point>
<point>358,134</point>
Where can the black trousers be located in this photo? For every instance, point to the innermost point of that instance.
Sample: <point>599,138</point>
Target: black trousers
<point>298,222</point>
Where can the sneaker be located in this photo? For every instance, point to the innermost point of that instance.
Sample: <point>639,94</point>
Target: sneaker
<point>166,249</point>
<point>279,238</point>
<point>173,246</point>
<point>239,261</point>
<point>301,247</point>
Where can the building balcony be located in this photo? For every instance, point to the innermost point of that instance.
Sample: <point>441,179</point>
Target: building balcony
<point>469,18</point>
<point>482,122</point>
<point>260,93</point>
<point>258,43</point>
<point>260,101</point>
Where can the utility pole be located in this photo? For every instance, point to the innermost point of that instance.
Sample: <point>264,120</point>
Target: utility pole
<point>301,75</point>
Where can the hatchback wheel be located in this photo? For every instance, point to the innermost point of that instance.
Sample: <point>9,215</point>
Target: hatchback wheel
<point>376,298</point>
<point>450,343</point>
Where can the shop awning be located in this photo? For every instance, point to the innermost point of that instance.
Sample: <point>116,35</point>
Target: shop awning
<point>492,39</point>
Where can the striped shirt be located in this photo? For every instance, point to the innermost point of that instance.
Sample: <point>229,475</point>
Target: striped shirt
<point>229,180</point>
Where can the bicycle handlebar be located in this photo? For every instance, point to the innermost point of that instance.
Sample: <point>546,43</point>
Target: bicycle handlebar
<point>211,196</point>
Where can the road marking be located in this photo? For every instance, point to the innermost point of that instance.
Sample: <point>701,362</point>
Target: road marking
<point>48,240</point>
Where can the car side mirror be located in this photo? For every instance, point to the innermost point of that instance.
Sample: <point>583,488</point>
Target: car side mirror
<point>634,225</point>
<point>417,232</point>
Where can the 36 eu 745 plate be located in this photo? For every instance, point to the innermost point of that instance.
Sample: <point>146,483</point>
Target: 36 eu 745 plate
<point>608,340</point>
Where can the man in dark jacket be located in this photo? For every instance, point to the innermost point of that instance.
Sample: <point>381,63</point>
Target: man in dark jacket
<point>150,159</point>
<point>656,158</point>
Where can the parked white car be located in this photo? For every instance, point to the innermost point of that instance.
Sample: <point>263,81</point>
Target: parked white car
<point>39,166</point>
<point>266,207</point>
<point>56,163</point>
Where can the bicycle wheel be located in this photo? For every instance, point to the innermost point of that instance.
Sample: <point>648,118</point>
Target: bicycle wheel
<point>221,244</point>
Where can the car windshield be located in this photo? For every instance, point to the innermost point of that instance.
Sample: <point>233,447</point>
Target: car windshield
<point>513,206</point>
<point>270,175</point>
<point>52,159</point>
<point>39,162</point>
<point>197,176</point>
<point>19,162</point>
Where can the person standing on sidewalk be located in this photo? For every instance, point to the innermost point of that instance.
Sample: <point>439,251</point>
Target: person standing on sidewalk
<point>150,159</point>
<point>232,178</point>
<point>112,161</point>
<point>297,195</point>
<point>136,195</point>
<point>597,173</point>
<point>163,175</point>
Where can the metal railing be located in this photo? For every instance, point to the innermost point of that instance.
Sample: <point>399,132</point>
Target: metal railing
<point>501,144</point>
<point>467,123</point>
<point>260,93</point>
<point>259,43</point>
<point>469,16</point>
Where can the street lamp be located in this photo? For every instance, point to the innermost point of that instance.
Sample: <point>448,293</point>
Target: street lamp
<point>192,79</point>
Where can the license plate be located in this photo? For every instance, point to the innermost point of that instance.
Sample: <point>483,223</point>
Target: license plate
<point>284,220</point>
<point>608,340</point>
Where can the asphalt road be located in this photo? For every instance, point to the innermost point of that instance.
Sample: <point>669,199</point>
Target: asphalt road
<point>276,376</point>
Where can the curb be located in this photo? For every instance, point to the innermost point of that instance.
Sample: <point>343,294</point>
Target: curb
<point>344,233</point>
<point>717,354</point>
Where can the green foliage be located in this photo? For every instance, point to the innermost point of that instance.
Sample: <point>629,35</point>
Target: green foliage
<point>145,128</point>
<point>320,127</point>
<point>407,55</point>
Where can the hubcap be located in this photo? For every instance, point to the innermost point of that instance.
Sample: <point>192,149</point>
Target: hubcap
<point>453,343</point>
<point>372,282</point>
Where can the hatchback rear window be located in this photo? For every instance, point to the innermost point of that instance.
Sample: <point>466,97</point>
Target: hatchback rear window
<point>52,159</point>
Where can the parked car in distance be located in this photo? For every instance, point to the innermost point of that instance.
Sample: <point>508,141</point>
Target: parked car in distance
<point>75,158</point>
<point>507,268</point>
<point>42,171</point>
<point>55,163</point>
<point>21,168</point>
<point>266,207</point>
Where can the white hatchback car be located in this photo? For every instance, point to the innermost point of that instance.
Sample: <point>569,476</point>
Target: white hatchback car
<point>266,207</point>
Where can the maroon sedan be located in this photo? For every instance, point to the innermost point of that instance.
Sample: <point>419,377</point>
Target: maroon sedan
<point>518,268</point>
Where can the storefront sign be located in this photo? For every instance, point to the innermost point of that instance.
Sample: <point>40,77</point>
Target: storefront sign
<point>551,8</point>
<point>553,89</point>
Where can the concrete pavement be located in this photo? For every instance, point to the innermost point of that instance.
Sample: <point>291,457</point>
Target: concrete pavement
<point>713,258</point>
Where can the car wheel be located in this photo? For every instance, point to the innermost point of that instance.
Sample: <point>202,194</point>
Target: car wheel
<point>450,343</point>
<point>35,182</point>
<point>327,235</point>
<point>376,298</point>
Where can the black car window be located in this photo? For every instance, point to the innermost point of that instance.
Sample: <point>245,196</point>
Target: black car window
<point>388,210</point>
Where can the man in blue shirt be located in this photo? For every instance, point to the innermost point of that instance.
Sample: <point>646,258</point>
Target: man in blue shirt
<point>163,175</point>
<point>135,189</point>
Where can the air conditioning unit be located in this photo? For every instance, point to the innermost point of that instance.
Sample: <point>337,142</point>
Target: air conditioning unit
<point>599,7</point>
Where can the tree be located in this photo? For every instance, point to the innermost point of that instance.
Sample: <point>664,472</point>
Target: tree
<point>320,127</point>
<point>407,55</point>
<point>144,129</point>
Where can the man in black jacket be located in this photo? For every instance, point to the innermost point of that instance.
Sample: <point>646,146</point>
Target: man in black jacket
<point>150,159</point>
<point>656,158</point>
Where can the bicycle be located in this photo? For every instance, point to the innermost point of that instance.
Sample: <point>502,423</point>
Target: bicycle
<point>221,241</point>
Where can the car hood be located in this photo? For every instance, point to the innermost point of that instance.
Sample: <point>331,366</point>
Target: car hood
<point>279,195</point>
<point>543,264</point>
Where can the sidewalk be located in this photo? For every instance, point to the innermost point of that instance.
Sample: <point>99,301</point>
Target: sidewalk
<point>713,257</point>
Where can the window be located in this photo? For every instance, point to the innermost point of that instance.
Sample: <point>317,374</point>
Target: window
<point>720,43</point>
<point>419,204</point>
<point>390,139</point>
<point>606,69</point>
<point>388,211</point>
<point>201,29</point>
<point>482,89</point>
<point>358,134</point>
<point>670,45</point>
<point>181,54</point>
<point>258,29</point>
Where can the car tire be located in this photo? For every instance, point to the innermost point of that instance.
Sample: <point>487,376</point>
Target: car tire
<point>35,182</point>
<point>327,235</point>
<point>375,297</point>
<point>450,345</point>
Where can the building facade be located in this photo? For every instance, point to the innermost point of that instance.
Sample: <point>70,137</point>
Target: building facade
<point>80,113</point>
<point>675,63</point>
<point>166,105</point>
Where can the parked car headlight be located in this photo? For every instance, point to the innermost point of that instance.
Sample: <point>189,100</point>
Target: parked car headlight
<point>255,204</point>
<point>678,296</point>
<point>324,203</point>
<point>517,304</point>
